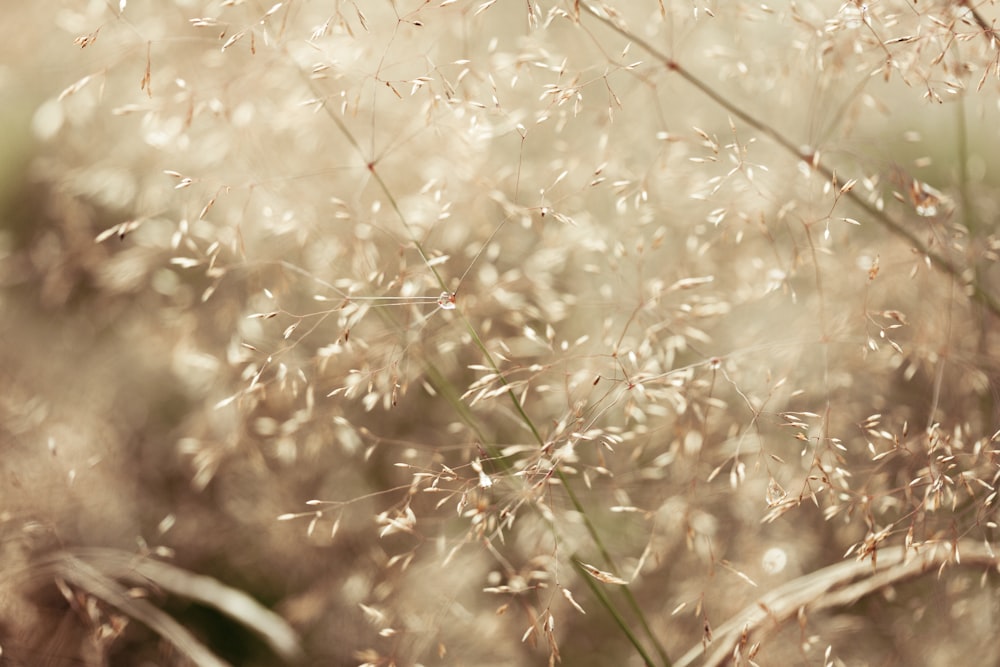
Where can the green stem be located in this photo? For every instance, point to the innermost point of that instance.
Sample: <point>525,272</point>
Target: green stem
<point>578,506</point>
<point>606,602</point>
<point>441,383</point>
<point>962,141</point>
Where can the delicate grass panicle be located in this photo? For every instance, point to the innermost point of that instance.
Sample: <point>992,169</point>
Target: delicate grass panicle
<point>648,332</point>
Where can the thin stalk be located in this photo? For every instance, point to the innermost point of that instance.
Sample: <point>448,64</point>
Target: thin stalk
<point>444,386</point>
<point>602,596</point>
<point>588,524</point>
<point>962,147</point>
<point>626,591</point>
<point>988,299</point>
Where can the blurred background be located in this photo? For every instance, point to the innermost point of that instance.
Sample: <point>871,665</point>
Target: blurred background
<point>378,313</point>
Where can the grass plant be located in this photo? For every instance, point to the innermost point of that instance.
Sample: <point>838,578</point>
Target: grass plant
<point>505,333</point>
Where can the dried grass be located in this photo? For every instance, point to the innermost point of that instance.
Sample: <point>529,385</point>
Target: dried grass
<point>547,332</point>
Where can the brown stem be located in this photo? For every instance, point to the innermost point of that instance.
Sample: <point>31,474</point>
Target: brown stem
<point>987,298</point>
